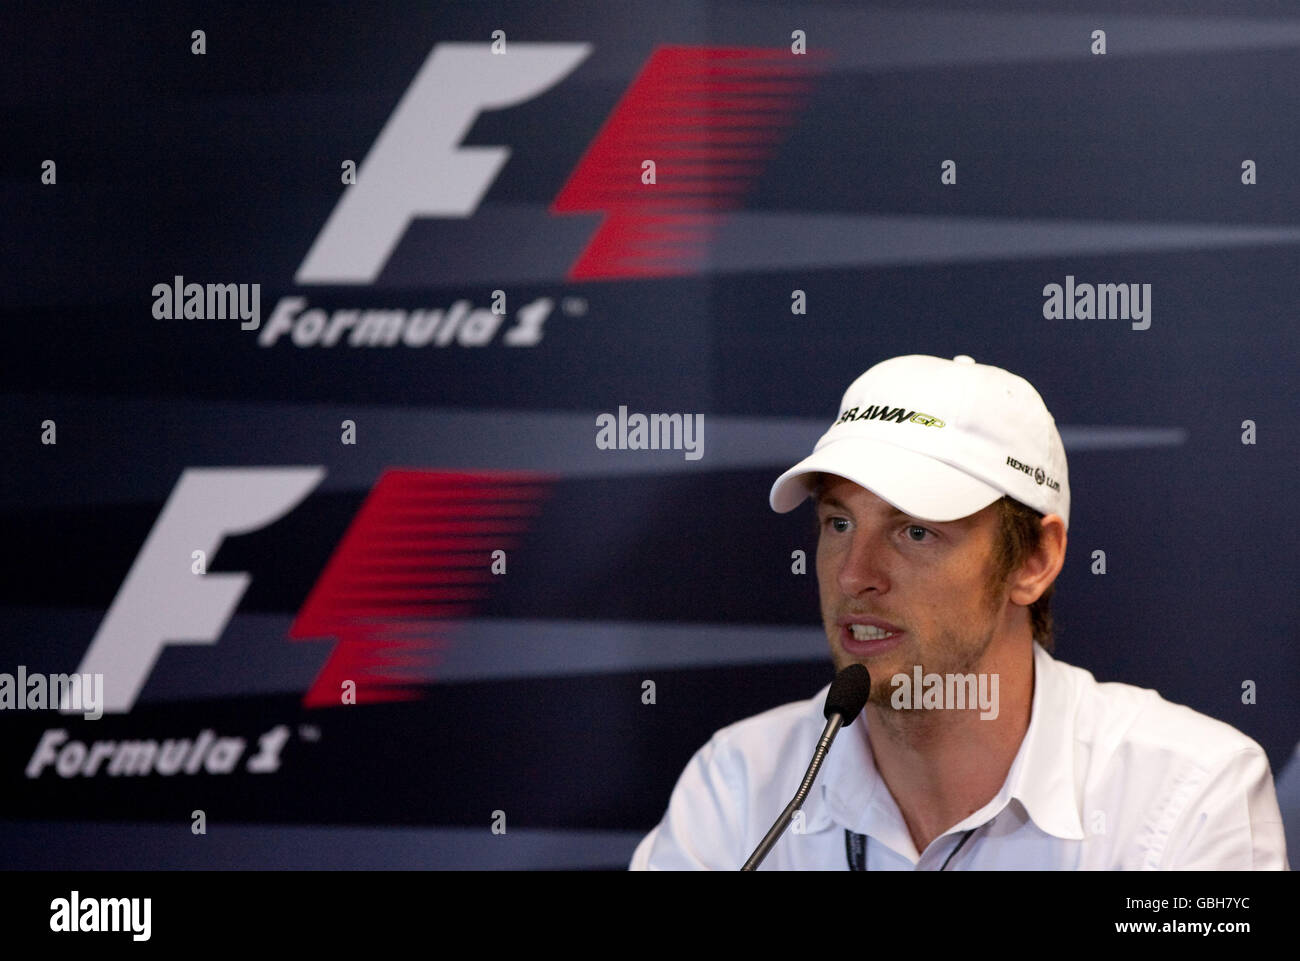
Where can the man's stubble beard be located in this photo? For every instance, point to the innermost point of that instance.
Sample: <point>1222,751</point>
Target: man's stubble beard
<point>953,654</point>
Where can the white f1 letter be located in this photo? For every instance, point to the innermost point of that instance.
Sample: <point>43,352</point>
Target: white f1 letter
<point>162,601</point>
<point>417,167</point>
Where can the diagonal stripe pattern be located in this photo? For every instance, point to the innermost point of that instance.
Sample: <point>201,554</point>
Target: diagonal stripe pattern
<point>416,557</point>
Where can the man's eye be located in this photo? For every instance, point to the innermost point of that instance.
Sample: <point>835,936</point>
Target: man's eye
<point>833,521</point>
<point>916,533</point>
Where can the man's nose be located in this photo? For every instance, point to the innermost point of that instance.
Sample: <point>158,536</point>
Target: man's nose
<point>863,566</point>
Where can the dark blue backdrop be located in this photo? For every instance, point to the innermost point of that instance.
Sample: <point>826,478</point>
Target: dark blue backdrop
<point>522,692</point>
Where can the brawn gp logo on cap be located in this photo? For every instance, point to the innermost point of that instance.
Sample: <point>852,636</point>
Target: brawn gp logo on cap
<point>899,415</point>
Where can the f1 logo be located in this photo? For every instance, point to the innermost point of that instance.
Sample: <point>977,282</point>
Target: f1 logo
<point>417,167</point>
<point>161,601</point>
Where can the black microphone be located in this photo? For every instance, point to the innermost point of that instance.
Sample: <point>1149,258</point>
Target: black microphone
<point>844,702</point>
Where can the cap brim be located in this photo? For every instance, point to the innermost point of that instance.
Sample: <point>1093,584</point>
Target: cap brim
<point>915,483</point>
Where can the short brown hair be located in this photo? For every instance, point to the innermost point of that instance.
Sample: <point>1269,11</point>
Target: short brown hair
<point>1020,531</point>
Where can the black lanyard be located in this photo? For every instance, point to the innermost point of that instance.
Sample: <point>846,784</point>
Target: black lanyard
<point>855,845</point>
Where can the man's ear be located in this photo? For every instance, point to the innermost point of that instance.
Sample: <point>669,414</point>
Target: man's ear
<point>1041,567</point>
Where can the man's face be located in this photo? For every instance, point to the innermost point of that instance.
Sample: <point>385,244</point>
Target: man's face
<point>929,582</point>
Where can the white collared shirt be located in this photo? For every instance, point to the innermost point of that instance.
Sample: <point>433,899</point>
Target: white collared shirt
<point>1107,777</point>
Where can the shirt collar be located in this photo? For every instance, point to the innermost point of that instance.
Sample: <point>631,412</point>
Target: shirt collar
<point>852,794</point>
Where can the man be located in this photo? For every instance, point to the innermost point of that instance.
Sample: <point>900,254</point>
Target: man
<point>942,503</point>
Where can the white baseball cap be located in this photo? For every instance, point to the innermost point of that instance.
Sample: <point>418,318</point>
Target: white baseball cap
<point>939,440</point>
